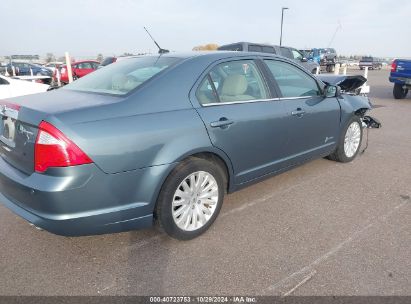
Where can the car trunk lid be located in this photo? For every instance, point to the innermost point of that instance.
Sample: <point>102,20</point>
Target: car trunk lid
<point>17,138</point>
<point>21,116</point>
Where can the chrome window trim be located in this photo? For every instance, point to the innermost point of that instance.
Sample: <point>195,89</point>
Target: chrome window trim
<point>255,100</point>
<point>238,102</point>
<point>298,97</point>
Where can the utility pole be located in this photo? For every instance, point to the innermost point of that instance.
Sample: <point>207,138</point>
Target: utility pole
<point>282,20</point>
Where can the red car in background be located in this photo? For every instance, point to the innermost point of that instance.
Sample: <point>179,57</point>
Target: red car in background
<point>79,69</point>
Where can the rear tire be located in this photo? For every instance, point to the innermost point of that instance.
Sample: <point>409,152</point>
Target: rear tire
<point>349,143</point>
<point>191,198</point>
<point>399,92</point>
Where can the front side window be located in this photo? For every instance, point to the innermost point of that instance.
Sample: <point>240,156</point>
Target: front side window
<point>122,77</point>
<point>297,55</point>
<point>232,81</point>
<point>292,81</point>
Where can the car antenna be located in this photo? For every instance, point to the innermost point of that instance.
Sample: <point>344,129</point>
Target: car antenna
<point>160,50</point>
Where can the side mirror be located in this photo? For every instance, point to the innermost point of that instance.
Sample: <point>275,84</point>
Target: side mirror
<point>332,91</point>
<point>304,59</point>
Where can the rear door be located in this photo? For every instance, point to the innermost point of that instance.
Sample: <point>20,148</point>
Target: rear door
<point>311,121</point>
<point>243,117</point>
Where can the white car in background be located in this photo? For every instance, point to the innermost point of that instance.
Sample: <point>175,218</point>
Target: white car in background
<point>10,87</point>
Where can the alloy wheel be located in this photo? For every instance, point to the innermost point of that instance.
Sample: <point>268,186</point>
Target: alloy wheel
<point>352,139</point>
<point>195,201</point>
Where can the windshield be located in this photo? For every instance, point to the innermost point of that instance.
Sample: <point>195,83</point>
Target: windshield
<point>122,77</point>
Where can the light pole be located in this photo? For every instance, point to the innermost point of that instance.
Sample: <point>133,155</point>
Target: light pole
<point>282,19</point>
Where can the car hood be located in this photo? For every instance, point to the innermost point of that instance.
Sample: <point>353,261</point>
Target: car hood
<point>347,83</point>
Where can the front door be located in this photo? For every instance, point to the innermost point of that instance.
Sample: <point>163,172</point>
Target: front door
<point>312,121</point>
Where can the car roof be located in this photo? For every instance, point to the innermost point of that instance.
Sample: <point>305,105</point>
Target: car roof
<point>216,55</point>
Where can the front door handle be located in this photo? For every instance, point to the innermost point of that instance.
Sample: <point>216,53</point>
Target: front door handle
<point>223,122</point>
<point>299,112</point>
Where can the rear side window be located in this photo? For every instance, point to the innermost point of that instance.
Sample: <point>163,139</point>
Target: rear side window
<point>122,77</point>
<point>268,49</point>
<point>286,52</point>
<point>231,47</point>
<point>292,81</point>
<point>206,93</point>
<point>231,82</point>
<point>255,48</point>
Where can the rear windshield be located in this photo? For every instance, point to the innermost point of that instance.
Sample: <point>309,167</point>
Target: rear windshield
<point>367,59</point>
<point>122,77</point>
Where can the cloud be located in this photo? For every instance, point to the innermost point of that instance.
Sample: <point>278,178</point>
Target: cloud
<point>88,27</point>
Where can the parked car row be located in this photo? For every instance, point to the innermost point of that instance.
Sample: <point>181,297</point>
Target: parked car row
<point>285,51</point>
<point>24,68</point>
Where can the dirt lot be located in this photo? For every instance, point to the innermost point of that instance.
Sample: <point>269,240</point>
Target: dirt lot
<point>322,229</point>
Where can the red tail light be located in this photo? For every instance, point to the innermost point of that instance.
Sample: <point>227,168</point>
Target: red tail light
<point>394,66</point>
<point>54,149</point>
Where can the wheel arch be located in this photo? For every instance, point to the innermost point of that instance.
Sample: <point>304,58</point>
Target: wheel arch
<point>217,156</point>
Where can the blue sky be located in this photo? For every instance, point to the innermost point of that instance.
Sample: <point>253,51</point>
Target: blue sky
<point>89,27</point>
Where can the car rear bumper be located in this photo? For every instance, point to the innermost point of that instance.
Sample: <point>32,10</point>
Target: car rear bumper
<point>82,200</point>
<point>401,80</point>
<point>89,225</point>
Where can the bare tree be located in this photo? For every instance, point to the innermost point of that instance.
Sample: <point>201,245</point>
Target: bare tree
<point>50,57</point>
<point>206,47</point>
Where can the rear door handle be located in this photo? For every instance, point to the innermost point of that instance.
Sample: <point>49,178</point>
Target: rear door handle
<point>299,112</point>
<point>223,122</point>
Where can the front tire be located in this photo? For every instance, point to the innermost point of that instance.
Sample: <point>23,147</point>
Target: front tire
<point>399,92</point>
<point>349,143</point>
<point>191,198</point>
